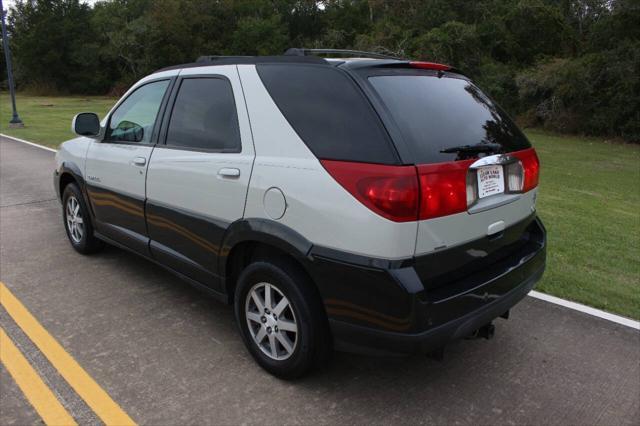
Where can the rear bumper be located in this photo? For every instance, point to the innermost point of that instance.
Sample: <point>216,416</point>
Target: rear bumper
<point>386,309</point>
<point>354,338</point>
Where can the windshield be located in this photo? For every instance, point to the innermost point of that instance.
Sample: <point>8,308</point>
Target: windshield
<point>436,113</point>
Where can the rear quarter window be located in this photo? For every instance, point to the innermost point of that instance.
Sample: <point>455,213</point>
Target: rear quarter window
<point>329,112</point>
<point>434,113</point>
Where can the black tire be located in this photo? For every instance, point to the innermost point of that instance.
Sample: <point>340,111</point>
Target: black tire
<point>87,243</point>
<point>313,346</point>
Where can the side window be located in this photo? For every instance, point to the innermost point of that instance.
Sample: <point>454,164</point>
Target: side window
<point>204,116</point>
<point>134,118</point>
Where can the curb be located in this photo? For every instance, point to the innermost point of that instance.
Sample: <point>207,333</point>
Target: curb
<point>27,142</point>
<point>586,309</point>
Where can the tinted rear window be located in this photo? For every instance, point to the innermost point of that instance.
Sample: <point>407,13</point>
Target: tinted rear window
<point>437,113</point>
<point>329,112</point>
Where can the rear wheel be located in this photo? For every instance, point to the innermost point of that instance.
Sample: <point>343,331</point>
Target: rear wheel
<point>77,221</point>
<point>271,321</point>
<point>281,319</point>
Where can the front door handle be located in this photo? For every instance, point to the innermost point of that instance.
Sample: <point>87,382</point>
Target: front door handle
<point>139,161</point>
<point>229,172</point>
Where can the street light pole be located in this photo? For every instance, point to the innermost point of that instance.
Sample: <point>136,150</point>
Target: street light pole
<point>15,120</point>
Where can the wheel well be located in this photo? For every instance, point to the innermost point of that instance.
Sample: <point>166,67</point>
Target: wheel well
<point>244,253</point>
<point>66,179</point>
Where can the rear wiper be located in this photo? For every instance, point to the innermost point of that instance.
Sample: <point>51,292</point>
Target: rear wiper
<point>481,147</point>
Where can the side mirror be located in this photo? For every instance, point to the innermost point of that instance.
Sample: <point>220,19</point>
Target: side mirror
<point>86,124</point>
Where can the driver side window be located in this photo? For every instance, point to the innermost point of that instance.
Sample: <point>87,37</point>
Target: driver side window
<point>133,120</point>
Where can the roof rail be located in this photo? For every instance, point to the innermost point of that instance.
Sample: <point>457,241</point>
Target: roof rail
<point>354,53</point>
<point>211,58</point>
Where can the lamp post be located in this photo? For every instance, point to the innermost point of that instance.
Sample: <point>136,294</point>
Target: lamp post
<point>15,120</point>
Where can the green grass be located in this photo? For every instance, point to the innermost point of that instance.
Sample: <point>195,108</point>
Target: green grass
<point>589,201</point>
<point>47,120</point>
<point>590,204</point>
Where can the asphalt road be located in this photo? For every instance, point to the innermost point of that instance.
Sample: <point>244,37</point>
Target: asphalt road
<point>167,354</point>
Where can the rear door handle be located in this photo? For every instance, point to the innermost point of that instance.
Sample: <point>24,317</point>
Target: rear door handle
<point>139,161</point>
<point>229,172</point>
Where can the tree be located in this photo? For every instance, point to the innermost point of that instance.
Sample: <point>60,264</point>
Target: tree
<point>569,65</point>
<point>452,43</point>
<point>54,47</point>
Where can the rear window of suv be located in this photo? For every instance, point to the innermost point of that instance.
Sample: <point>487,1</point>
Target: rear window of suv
<point>434,113</point>
<point>329,112</point>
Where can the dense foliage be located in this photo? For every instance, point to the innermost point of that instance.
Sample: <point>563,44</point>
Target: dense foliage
<point>568,65</point>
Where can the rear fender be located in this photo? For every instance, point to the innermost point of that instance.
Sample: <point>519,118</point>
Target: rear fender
<point>264,231</point>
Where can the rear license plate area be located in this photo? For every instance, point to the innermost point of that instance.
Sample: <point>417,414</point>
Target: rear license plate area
<point>490,181</point>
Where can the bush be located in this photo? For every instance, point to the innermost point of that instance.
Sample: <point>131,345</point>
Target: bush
<point>596,94</point>
<point>498,81</point>
<point>452,43</point>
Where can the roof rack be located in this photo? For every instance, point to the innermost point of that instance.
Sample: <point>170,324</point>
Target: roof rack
<point>207,60</point>
<point>294,51</point>
<point>211,58</point>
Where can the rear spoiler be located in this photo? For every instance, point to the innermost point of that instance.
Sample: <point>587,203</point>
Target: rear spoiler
<point>424,65</point>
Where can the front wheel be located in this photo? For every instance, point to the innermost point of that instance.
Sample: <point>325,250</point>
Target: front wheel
<point>281,319</point>
<point>77,221</point>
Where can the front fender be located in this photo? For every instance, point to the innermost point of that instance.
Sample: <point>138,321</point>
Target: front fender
<point>69,168</point>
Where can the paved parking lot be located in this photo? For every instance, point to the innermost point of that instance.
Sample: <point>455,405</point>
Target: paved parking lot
<point>167,354</point>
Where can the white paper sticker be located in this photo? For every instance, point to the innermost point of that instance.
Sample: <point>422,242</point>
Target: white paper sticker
<point>490,181</point>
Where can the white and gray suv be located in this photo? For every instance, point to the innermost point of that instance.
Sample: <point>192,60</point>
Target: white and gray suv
<point>367,204</point>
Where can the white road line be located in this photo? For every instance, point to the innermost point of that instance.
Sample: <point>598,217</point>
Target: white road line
<point>27,142</point>
<point>535,294</point>
<point>586,309</point>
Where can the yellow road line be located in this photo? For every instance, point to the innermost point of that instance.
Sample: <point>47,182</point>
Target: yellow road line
<point>37,392</point>
<point>95,397</point>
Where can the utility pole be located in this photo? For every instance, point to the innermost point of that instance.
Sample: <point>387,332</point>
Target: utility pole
<point>15,120</point>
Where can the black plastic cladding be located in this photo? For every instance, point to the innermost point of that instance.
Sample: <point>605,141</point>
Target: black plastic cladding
<point>329,112</point>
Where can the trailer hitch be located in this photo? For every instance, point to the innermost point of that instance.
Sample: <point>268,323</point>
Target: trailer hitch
<point>487,331</point>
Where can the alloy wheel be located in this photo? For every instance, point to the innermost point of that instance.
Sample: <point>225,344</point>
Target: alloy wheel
<point>271,321</point>
<point>75,223</point>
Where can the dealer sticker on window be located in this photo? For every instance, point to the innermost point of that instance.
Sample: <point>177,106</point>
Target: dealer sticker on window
<point>490,181</point>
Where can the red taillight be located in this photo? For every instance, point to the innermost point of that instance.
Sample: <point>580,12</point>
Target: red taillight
<point>443,188</point>
<point>429,66</point>
<point>391,191</point>
<point>408,193</point>
<point>531,166</point>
